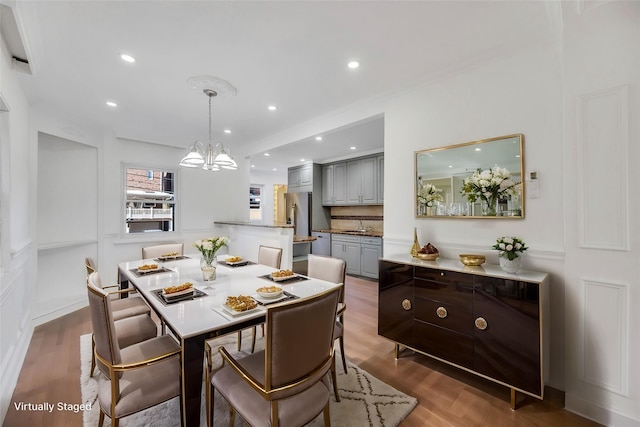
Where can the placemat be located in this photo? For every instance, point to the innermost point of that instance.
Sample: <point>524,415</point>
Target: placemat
<point>148,273</point>
<point>294,279</point>
<point>197,293</point>
<point>175,258</point>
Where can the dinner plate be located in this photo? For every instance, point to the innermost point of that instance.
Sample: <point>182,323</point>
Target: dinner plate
<point>242,261</point>
<point>233,312</point>
<point>179,293</point>
<point>168,257</point>
<point>266,301</point>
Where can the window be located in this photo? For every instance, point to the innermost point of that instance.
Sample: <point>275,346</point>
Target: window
<point>255,203</point>
<point>149,200</point>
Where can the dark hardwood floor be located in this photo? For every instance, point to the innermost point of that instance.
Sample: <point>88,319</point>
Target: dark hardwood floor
<point>446,395</point>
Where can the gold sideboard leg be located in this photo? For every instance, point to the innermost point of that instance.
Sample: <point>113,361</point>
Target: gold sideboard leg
<point>396,351</point>
<point>513,399</point>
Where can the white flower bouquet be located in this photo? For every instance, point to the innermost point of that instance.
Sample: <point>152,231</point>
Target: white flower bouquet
<point>509,247</point>
<point>209,247</point>
<point>489,185</point>
<point>428,194</point>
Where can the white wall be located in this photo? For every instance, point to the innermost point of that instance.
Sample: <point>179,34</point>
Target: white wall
<point>17,250</point>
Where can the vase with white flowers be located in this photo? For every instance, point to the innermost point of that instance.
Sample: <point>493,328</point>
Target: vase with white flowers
<point>508,249</point>
<point>489,186</point>
<point>208,249</point>
<point>428,195</point>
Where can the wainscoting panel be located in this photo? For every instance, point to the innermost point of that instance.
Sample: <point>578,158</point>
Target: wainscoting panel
<point>604,335</point>
<point>603,140</point>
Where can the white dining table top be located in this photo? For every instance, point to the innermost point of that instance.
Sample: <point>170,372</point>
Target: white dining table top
<point>206,314</point>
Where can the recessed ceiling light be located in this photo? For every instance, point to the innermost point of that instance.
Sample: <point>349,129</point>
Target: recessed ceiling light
<point>112,104</point>
<point>127,58</point>
<point>267,154</point>
<point>352,148</point>
<point>227,131</point>
<point>253,166</point>
<point>275,169</point>
<point>272,108</point>
<point>302,160</point>
<point>478,149</point>
<point>353,64</point>
<point>450,166</point>
<point>318,138</point>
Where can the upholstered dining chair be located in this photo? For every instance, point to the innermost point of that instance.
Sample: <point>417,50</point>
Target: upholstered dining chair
<point>284,384</point>
<point>332,270</point>
<point>135,377</point>
<point>122,308</point>
<point>160,250</point>
<point>272,257</point>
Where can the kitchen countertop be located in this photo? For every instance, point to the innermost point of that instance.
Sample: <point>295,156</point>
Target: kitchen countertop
<point>251,224</point>
<point>350,232</point>
<point>303,239</point>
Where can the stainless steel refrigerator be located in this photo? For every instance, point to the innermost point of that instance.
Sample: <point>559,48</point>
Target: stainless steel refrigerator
<point>298,212</point>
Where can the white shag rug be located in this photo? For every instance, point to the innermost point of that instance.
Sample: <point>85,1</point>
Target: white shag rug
<point>364,400</point>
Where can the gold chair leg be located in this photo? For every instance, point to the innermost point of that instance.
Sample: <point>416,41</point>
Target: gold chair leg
<point>207,391</point>
<point>232,417</point>
<point>93,355</point>
<point>327,416</point>
<point>239,340</point>
<point>253,339</point>
<point>334,378</point>
<point>101,419</point>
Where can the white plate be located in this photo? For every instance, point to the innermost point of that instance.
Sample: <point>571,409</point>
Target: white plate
<point>282,279</point>
<point>149,270</point>
<point>166,257</point>
<point>269,300</point>
<point>238,313</point>
<point>242,261</point>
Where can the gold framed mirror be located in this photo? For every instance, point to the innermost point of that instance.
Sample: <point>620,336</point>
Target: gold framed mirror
<point>477,179</point>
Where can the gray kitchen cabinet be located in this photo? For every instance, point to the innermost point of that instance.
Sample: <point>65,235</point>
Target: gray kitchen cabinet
<point>361,253</point>
<point>362,181</point>
<point>380,160</point>
<point>300,178</point>
<point>334,178</point>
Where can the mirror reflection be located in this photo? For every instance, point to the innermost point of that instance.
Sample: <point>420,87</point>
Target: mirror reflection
<point>478,179</point>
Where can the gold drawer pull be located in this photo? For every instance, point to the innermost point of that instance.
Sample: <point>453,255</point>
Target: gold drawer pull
<point>481,323</point>
<point>406,304</point>
<point>441,312</point>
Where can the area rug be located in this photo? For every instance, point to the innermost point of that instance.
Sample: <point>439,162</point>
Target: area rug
<point>364,400</point>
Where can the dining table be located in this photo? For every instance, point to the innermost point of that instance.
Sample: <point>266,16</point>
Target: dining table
<point>203,315</point>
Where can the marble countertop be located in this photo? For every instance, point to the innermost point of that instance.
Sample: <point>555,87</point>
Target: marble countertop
<point>350,232</point>
<point>251,224</point>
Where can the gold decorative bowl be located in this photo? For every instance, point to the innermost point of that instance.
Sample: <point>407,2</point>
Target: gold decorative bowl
<point>427,257</point>
<point>470,259</point>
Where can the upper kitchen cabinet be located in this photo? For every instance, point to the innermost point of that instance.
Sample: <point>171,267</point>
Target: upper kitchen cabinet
<point>353,182</point>
<point>334,184</point>
<point>300,178</point>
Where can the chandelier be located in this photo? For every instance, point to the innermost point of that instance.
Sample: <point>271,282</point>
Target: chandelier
<point>211,158</point>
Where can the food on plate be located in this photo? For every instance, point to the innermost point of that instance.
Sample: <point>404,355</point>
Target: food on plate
<point>282,273</point>
<point>234,259</point>
<point>241,303</point>
<point>144,267</point>
<point>168,254</point>
<point>177,288</point>
<point>428,249</point>
<point>269,289</point>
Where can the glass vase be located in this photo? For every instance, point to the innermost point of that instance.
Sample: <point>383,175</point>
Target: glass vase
<point>208,266</point>
<point>489,206</point>
<point>510,265</point>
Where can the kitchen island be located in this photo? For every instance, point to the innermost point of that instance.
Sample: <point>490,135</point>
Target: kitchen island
<point>246,237</point>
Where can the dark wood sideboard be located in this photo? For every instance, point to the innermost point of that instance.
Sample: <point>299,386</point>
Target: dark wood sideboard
<point>479,319</point>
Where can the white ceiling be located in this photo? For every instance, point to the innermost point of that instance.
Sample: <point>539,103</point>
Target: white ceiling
<point>290,54</point>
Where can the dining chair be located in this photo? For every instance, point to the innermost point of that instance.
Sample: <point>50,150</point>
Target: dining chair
<point>284,384</point>
<point>160,250</point>
<point>122,307</point>
<point>272,257</point>
<point>332,270</point>
<point>135,377</point>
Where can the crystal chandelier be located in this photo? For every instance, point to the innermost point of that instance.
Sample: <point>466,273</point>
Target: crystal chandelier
<point>211,158</point>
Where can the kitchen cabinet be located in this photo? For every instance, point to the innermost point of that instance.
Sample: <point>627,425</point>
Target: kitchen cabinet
<point>300,178</point>
<point>491,323</point>
<point>334,184</point>
<point>361,253</point>
<point>354,182</point>
<point>362,181</point>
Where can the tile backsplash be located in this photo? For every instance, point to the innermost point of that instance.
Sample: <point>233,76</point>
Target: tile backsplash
<point>349,217</point>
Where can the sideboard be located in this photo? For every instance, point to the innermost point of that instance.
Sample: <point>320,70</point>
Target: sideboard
<point>480,319</point>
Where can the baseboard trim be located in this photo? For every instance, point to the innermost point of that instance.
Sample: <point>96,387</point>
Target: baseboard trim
<point>596,412</point>
<point>46,317</point>
<point>11,370</point>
